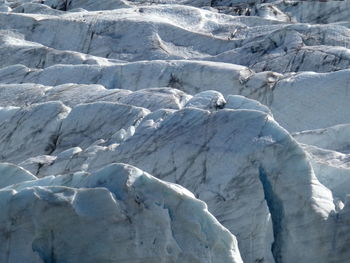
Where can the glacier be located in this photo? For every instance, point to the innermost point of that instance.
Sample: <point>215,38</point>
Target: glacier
<point>174,131</point>
<point>113,205</point>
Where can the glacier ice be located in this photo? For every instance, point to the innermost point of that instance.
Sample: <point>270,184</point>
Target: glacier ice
<point>118,213</point>
<point>238,108</point>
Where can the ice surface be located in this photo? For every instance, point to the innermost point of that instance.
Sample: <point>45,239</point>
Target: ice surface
<point>118,213</point>
<point>204,94</point>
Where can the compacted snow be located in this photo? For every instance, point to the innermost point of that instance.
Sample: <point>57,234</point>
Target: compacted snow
<point>174,131</point>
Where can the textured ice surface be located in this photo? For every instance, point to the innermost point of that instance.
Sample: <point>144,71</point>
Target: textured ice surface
<point>195,92</point>
<point>118,213</point>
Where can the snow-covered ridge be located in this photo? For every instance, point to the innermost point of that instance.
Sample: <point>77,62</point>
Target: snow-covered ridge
<point>97,97</point>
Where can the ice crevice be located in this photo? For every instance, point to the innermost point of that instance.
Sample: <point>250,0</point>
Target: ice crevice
<point>276,210</point>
